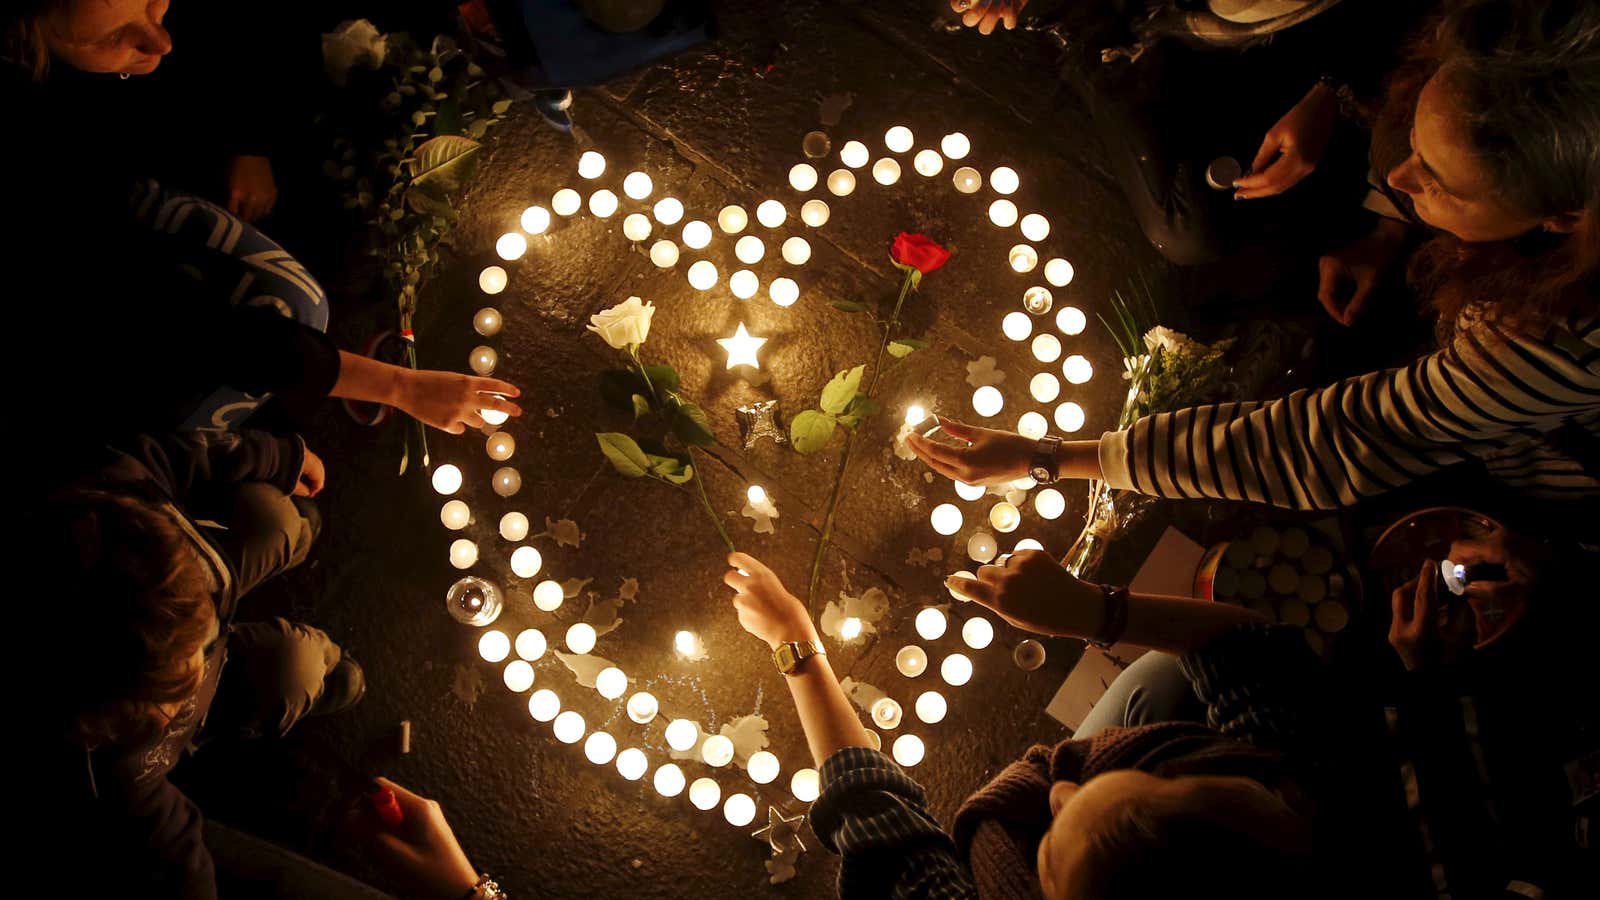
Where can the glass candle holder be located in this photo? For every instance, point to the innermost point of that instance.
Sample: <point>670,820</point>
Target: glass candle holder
<point>474,601</point>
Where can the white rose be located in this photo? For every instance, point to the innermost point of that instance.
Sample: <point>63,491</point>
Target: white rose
<point>627,323</point>
<point>1164,338</point>
<point>356,41</point>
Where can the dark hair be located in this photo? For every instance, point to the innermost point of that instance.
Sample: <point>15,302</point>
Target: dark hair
<point>143,603</point>
<point>1526,75</point>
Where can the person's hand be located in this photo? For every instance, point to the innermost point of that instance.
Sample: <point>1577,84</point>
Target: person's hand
<point>252,192</point>
<point>422,850</point>
<point>1360,264</point>
<point>766,609</point>
<point>450,401</point>
<point>312,476</point>
<point>1499,604</point>
<point>1415,607</point>
<point>1034,592</point>
<point>986,14</point>
<point>1292,148</point>
<point>990,457</point>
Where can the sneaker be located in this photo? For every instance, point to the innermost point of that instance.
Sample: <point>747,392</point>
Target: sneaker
<point>342,688</point>
<point>553,106</point>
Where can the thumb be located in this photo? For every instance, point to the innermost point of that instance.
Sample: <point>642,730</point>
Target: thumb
<point>1269,148</point>
<point>1329,269</point>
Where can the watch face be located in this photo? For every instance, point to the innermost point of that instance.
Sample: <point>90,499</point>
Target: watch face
<point>785,657</point>
<point>1040,474</point>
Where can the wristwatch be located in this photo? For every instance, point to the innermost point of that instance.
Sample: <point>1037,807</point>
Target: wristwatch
<point>790,654</point>
<point>1042,467</point>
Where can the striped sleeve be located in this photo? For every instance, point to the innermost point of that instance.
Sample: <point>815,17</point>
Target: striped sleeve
<point>1489,393</point>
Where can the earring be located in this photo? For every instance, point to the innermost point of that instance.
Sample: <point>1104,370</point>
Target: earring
<point>123,75</point>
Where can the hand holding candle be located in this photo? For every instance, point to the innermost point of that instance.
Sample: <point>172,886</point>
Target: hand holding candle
<point>418,848</point>
<point>766,609</point>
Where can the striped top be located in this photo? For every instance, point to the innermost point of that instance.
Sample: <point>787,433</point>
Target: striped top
<point>1527,408</point>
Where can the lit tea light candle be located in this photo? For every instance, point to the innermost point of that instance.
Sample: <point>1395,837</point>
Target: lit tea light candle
<point>814,213</point>
<point>591,164</point>
<point>886,171</point>
<point>636,227</point>
<point>455,515</point>
<point>544,705</point>
<point>513,526</point>
<point>806,785</point>
<point>987,401</point>
<point>535,219</point>
<point>732,219</point>
<point>1037,300</point>
<point>493,645</point>
<point>803,177</point>
<point>930,705</point>
<point>642,707</point>
<point>1016,326</point>
<point>749,249</point>
<point>1035,227</point>
<point>784,291</point>
<point>911,661</point>
<point>977,633</point>
<point>637,185</point>
<point>632,763</point>
<point>1033,426</point>
<point>506,481</point>
<point>1077,369</point>
<point>1046,348</point>
<point>796,251</point>
<point>1049,503</point>
<point>981,547</point>
<point>548,595</point>
<point>603,203</point>
<point>704,794</point>
<point>956,670</point>
<point>946,518</point>
<point>1069,416</point>
<point>960,576</point>
<point>531,644</point>
<point>664,254</point>
<point>1058,272</point>
<point>668,210</point>
<point>899,139</point>
<point>1003,213</point>
<point>1071,320</point>
<point>717,751</point>
<point>580,637</point>
<point>739,810</point>
<point>463,553</point>
<point>886,713</point>
<point>492,280</point>
<point>526,561</point>
<point>771,213</point>
<point>611,683</point>
<point>763,767</point>
<point>1027,544</point>
<point>696,235</point>
<point>447,479</point>
<point>511,246</point>
<point>500,446</point>
<point>599,748</point>
<point>1044,387</point>
<point>931,623</point>
<point>967,180</point>
<point>682,734</point>
<point>687,643</point>
<point>1005,517</point>
<point>487,321</point>
<point>928,163</point>
<point>744,284</point>
<point>955,145</point>
<point>841,182</point>
<point>518,676</point>
<point>908,750</point>
<point>566,202</point>
<point>483,359</point>
<point>703,275</point>
<point>854,154</point>
<point>915,414</point>
<point>1004,180</point>
<point>970,491</point>
<point>850,628</point>
<point>1023,258</point>
<point>569,727</point>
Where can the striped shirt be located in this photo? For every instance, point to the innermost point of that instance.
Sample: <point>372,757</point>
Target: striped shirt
<point>1517,404</point>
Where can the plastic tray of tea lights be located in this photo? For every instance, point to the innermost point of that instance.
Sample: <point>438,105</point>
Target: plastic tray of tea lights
<point>1298,574</point>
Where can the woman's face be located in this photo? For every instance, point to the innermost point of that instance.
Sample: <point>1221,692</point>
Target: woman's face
<point>122,37</point>
<point>1448,184</point>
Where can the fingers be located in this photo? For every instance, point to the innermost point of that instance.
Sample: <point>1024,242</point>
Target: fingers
<point>1329,271</point>
<point>494,386</point>
<point>236,203</point>
<point>1403,601</point>
<point>1278,177</point>
<point>1427,601</point>
<point>741,560</point>
<point>301,489</point>
<point>924,449</point>
<point>1271,143</point>
<point>1365,283</point>
<point>970,589</point>
<point>475,421</point>
<point>737,580</point>
<point>959,430</point>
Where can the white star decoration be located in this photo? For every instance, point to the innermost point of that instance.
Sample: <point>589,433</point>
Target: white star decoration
<point>782,834</point>
<point>742,348</point>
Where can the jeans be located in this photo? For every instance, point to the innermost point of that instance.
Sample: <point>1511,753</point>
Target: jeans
<point>1151,690</point>
<point>249,867</point>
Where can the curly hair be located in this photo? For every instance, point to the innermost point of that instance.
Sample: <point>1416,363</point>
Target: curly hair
<point>1527,77</point>
<point>22,39</point>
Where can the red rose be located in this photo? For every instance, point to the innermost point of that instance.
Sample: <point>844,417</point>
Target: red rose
<point>919,252</point>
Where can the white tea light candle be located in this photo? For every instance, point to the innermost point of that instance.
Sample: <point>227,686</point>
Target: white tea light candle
<point>668,210</point>
<point>636,227</point>
<point>955,145</point>
<point>483,359</point>
<point>566,202</point>
<point>1069,416</point>
<point>1035,227</point>
<point>796,251</point>
<point>1077,369</point>
<point>946,518</point>
<point>531,644</point>
<point>1046,348</point>
<point>603,203</point>
<point>1037,300</point>
<point>763,767</point>
<point>704,794</point>
<point>977,633</point>
<point>493,645</point>
<point>981,547</point>
<point>911,661</point>
<point>749,249</point>
<point>732,219</point>
<point>682,734</point>
<point>1058,272</point>
<point>696,235</point>
<point>970,491</point>
<point>806,785</point>
<point>500,446</point>
<point>854,154</point>
<point>899,139</point>
<point>637,185</point>
<point>956,670</point>
<point>987,401</point>
<point>526,561</point>
<point>717,751</point>
<point>463,553</point>
<point>885,713</point>
<point>703,275</point>
<point>513,526</point>
<point>1049,503</point>
<point>1005,517</point>
<point>599,748</point>
<point>518,676</point>
<point>511,246</point>
<point>931,623</point>
<point>1071,320</point>
<point>492,280</point>
<point>632,763</point>
<point>1033,426</point>
<point>591,164</point>
<point>886,171</point>
<point>739,810</point>
<point>803,177</point>
<point>487,321</point>
<point>931,706</point>
<point>908,750</point>
<point>535,219</point>
<point>814,213</point>
<point>1044,387</point>
<point>447,479</point>
<point>928,163</point>
<point>455,515</point>
<point>548,595</point>
<point>1023,258</point>
<point>1016,326</point>
<point>1004,180</point>
<point>580,638</point>
<point>569,727</point>
<point>1003,213</point>
<point>642,707</point>
<point>544,705</point>
<point>744,284</point>
<point>841,182</point>
<point>611,683</point>
<point>967,180</point>
<point>784,291</point>
<point>771,213</point>
<point>664,254</point>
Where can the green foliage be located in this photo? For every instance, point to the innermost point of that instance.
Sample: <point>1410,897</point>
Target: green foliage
<point>690,425</point>
<point>842,403</point>
<point>838,393</point>
<point>904,347</point>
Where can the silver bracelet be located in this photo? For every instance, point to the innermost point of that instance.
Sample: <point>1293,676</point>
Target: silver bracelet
<point>486,889</point>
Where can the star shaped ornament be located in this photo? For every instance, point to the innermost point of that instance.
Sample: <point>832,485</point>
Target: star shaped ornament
<point>781,833</point>
<point>742,348</point>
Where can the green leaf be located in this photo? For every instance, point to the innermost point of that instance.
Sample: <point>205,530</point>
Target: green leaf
<point>664,465</point>
<point>425,199</point>
<point>691,426</point>
<point>619,386</point>
<point>811,430</point>
<point>499,107</point>
<point>863,406</point>
<point>902,348</point>
<point>446,162</point>
<point>641,406</point>
<point>850,306</point>
<point>665,378</point>
<point>684,477</point>
<point>841,390</point>
<point>625,455</point>
<point>435,74</point>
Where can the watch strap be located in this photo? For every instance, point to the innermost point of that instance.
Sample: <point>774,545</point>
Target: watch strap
<point>790,654</point>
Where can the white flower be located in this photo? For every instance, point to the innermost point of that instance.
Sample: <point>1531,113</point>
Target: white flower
<point>624,325</point>
<point>356,41</point>
<point>1135,366</point>
<point>1165,339</point>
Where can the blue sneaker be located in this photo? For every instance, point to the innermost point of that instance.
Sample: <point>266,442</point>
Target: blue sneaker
<point>553,106</point>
